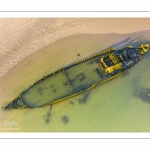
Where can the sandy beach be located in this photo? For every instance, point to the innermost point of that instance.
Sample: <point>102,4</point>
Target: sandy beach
<point>21,37</point>
<point>32,48</point>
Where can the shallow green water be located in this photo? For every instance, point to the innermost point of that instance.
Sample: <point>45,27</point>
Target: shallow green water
<point>120,105</point>
<point>64,83</point>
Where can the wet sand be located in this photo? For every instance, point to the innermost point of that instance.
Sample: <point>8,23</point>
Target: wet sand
<point>59,47</point>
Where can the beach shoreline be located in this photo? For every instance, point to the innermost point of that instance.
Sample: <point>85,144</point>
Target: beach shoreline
<point>35,34</point>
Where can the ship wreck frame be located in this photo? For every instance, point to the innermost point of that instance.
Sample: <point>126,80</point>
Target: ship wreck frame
<point>79,77</point>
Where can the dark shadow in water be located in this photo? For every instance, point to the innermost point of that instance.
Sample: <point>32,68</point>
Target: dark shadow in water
<point>127,73</point>
<point>48,115</point>
<point>65,119</point>
<point>40,90</point>
<point>146,58</point>
<point>136,81</point>
<point>126,42</point>
<point>122,42</point>
<point>143,94</point>
<point>140,91</point>
<point>135,42</point>
<point>82,87</point>
<point>84,98</point>
<point>72,102</point>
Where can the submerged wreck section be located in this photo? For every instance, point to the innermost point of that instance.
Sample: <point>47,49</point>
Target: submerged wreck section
<point>79,77</point>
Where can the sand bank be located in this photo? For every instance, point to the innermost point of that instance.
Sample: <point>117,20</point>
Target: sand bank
<point>21,37</point>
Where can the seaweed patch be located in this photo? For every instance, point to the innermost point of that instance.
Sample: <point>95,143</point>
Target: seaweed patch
<point>65,119</point>
<point>48,115</point>
<point>84,98</point>
<point>140,91</point>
